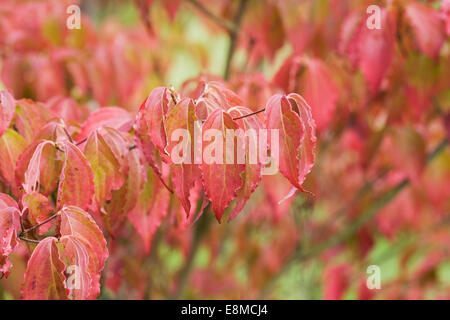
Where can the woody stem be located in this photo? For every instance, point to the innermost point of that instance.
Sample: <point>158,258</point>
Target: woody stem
<point>250,114</point>
<point>39,224</point>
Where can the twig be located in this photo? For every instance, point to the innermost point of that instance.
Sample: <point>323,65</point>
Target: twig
<point>143,8</point>
<point>81,142</point>
<point>41,223</point>
<point>68,134</point>
<point>28,240</point>
<point>201,228</point>
<point>250,114</point>
<point>227,25</point>
<point>384,199</point>
<point>234,33</point>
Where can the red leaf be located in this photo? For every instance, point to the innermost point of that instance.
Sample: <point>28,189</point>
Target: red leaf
<point>30,117</point>
<point>39,209</point>
<point>286,76</point>
<point>11,146</point>
<point>7,108</point>
<point>184,172</point>
<point>428,27</point>
<point>9,227</point>
<point>124,199</point>
<point>44,277</point>
<point>220,180</point>
<point>67,109</point>
<point>253,167</point>
<point>320,92</point>
<point>377,49</point>
<point>79,265</point>
<point>151,207</point>
<point>78,223</point>
<point>337,281</point>
<point>280,116</point>
<point>76,183</point>
<point>300,106</point>
<point>38,165</point>
<point>113,117</point>
<point>153,112</point>
<point>214,96</point>
<point>105,166</point>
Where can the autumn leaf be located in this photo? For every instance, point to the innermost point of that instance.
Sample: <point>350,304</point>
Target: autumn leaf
<point>44,277</point>
<point>113,117</point>
<point>153,112</point>
<point>9,227</point>
<point>428,27</point>
<point>281,117</point>
<point>105,166</point>
<point>291,116</point>
<point>253,166</point>
<point>39,208</point>
<point>76,183</point>
<point>29,118</point>
<point>79,266</point>
<point>307,157</point>
<point>124,199</point>
<point>151,207</point>
<point>78,223</point>
<point>38,168</point>
<point>221,180</point>
<point>320,91</point>
<point>377,49</point>
<point>7,109</point>
<point>11,146</point>
<point>185,171</point>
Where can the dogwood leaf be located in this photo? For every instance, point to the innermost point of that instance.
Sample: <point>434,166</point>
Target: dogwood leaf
<point>78,223</point>
<point>105,166</point>
<point>44,276</point>
<point>9,227</point>
<point>221,180</point>
<point>76,183</point>
<point>7,109</point>
<point>186,172</point>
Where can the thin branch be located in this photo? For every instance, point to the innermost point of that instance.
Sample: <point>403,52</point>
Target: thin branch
<point>28,240</point>
<point>68,134</point>
<point>59,148</point>
<point>201,228</point>
<point>41,223</point>
<point>250,114</point>
<point>81,142</point>
<point>144,8</point>
<point>227,25</point>
<point>234,34</point>
<point>366,215</point>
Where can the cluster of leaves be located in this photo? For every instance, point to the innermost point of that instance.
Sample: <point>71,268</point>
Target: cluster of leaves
<point>97,168</point>
<point>75,170</point>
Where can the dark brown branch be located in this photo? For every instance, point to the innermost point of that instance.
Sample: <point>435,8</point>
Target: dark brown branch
<point>250,114</point>
<point>41,223</point>
<point>143,8</point>
<point>68,134</point>
<point>59,148</point>
<point>234,34</point>
<point>81,142</point>
<point>28,240</point>
<point>201,228</point>
<point>227,25</point>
